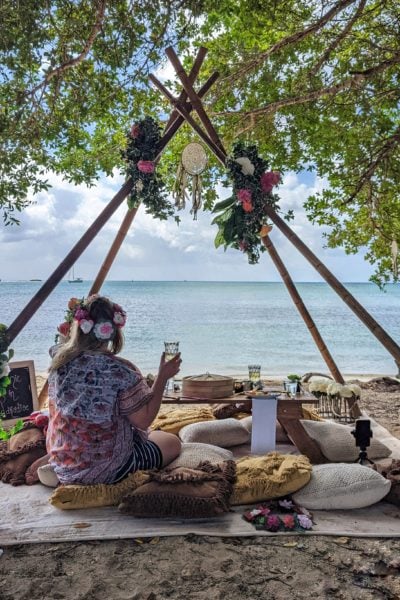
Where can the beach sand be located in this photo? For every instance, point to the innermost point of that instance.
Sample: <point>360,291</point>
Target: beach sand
<point>194,567</point>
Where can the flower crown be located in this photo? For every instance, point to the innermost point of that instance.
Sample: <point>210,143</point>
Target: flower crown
<point>102,330</point>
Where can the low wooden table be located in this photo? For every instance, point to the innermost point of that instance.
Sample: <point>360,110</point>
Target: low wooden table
<point>289,414</point>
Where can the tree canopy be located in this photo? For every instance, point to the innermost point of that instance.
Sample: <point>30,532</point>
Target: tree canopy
<point>314,83</point>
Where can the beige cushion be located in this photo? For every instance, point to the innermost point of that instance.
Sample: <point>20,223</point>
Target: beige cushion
<point>338,444</point>
<point>193,454</point>
<point>224,433</point>
<point>342,486</point>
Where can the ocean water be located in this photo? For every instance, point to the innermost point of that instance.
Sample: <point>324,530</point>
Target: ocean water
<point>222,326</point>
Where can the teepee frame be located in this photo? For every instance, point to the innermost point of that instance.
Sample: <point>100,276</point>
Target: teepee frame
<point>191,101</point>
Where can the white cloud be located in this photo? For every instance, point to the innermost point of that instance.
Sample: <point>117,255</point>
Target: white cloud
<point>158,249</point>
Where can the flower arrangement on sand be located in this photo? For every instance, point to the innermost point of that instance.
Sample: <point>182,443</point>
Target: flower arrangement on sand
<point>241,219</point>
<point>143,143</point>
<point>280,515</point>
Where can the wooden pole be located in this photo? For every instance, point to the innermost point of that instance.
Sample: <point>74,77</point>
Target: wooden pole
<point>348,298</point>
<point>26,314</point>
<point>194,98</point>
<point>307,318</point>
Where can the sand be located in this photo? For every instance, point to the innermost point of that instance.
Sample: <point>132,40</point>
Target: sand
<point>206,568</point>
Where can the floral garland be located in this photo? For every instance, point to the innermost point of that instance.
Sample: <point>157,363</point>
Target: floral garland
<point>143,142</point>
<point>77,311</point>
<point>6,355</point>
<point>242,219</point>
<point>280,515</point>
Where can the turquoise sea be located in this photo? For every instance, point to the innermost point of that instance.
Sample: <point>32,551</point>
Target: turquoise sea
<point>222,326</point>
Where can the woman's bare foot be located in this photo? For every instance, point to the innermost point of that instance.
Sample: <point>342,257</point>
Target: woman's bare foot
<point>31,475</point>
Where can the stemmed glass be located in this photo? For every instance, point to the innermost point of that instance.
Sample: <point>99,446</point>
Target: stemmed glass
<point>171,349</point>
<point>255,374</point>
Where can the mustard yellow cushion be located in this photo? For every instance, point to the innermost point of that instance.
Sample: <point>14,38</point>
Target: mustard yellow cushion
<point>260,478</point>
<point>174,420</point>
<point>69,497</point>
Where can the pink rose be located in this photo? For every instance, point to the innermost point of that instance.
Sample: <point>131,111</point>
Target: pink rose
<point>146,166</point>
<point>247,206</point>
<point>268,180</point>
<point>135,131</point>
<point>81,314</point>
<point>288,521</point>
<point>273,522</point>
<point>64,328</point>
<point>244,195</point>
<point>119,319</point>
<point>103,331</point>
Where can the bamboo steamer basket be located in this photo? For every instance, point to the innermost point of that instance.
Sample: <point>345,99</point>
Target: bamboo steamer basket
<point>207,386</point>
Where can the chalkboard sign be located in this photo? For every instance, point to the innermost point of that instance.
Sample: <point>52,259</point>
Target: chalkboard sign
<point>21,397</point>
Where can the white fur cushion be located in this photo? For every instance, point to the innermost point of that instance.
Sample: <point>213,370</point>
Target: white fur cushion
<point>338,444</point>
<point>224,433</point>
<point>342,486</point>
<point>193,454</point>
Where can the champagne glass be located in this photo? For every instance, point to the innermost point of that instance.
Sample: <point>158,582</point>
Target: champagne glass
<point>171,349</point>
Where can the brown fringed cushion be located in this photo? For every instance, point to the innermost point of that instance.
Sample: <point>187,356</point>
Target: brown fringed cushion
<point>183,492</point>
<point>224,411</point>
<point>19,452</point>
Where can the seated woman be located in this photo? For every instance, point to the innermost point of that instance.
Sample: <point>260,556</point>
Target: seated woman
<point>101,406</point>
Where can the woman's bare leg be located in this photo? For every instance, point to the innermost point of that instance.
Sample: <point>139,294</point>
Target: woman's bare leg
<point>169,444</point>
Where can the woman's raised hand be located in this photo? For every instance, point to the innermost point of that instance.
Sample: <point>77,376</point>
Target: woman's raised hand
<point>171,367</point>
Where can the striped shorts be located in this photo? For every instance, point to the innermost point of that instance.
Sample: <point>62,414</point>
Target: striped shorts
<point>146,455</point>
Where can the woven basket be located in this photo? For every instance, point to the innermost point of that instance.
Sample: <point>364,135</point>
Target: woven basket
<point>207,386</point>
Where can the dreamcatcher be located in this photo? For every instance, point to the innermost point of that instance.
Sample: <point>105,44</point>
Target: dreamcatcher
<point>193,162</point>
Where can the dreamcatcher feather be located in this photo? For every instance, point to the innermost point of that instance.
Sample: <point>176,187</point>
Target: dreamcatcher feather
<point>192,164</point>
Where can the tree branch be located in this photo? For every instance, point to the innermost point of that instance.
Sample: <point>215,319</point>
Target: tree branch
<point>389,145</point>
<point>355,81</point>
<point>101,7</point>
<point>338,39</point>
<point>294,38</point>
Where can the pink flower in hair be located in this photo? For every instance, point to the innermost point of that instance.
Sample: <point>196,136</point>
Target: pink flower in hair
<point>86,325</point>
<point>146,166</point>
<point>244,195</point>
<point>103,331</point>
<point>119,318</point>
<point>268,180</point>
<point>81,314</point>
<point>64,328</point>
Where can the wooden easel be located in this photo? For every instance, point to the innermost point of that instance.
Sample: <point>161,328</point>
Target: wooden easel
<point>189,100</point>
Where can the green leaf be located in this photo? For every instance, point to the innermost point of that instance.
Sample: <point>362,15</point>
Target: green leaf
<point>224,204</point>
<point>219,238</point>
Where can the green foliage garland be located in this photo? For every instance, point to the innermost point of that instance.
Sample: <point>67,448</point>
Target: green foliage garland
<point>140,154</point>
<point>240,221</point>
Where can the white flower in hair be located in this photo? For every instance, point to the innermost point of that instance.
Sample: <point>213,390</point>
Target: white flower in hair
<point>103,331</point>
<point>119,319</point>
<point>246,164</point>
<point>86,325</point>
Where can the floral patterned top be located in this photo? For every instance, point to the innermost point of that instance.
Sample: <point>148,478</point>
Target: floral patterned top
<point>89,437</point>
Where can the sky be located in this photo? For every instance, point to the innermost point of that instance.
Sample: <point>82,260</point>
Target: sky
<point>155,250</point>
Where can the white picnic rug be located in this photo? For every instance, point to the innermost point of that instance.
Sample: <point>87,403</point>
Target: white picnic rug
<point>26,517</point>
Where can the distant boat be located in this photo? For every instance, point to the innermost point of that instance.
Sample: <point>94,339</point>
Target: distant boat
<point>32,280</point>
<point>74,279</point>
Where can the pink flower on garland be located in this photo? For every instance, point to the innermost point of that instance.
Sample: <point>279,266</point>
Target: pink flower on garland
<point>135,131</point>
<point>273,522</point>
<point>247,207</point>
<point>288,521</point>
<point>244,195</point>
<point>304,521</point>
<point>268,180</point>
<point>146,166</point>
<point>243,245</point>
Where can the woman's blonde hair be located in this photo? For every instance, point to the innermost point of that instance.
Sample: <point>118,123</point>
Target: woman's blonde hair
<point>99,309</point>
